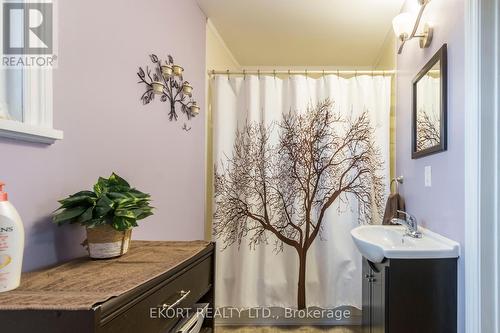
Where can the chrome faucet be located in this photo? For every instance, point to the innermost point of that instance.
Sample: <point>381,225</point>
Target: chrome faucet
<point>410,222</point>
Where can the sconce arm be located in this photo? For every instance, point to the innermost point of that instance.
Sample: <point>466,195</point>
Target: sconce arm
<point>413,34</point>
<point>417,22</point>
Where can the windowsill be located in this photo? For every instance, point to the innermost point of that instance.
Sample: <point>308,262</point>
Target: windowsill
<point>19,131</point>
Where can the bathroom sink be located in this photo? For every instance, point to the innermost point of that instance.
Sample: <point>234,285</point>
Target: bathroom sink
<point>376,242</point>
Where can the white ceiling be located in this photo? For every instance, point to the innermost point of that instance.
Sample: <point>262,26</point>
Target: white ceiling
<point>303,32</point>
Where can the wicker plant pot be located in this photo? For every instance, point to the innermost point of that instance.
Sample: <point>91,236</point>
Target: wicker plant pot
<point>105,242</point>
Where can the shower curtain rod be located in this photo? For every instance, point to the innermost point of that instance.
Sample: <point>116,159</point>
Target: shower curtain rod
<point>306,72</point>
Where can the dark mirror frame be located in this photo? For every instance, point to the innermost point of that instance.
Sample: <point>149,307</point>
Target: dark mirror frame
<point>442,56</point>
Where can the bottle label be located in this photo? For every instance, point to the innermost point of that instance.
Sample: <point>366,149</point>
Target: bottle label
<point>4,237</point>
<point>5,259</point>
<point>11,254</point>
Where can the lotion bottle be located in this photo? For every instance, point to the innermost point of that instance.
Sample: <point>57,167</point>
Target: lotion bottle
<point>11,244</point>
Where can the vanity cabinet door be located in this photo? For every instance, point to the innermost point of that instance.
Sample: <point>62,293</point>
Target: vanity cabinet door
<point>410,296</point>
<point>374,297</point>
<point>378,298</point>
<point>367,297</point>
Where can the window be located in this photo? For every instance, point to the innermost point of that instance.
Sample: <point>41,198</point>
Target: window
<point>11,97</point>
<point>25,92</point>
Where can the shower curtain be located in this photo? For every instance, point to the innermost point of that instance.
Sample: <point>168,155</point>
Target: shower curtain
<point>299,162</point>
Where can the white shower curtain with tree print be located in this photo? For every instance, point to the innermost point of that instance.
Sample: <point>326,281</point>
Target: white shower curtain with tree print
<point>299,162</point>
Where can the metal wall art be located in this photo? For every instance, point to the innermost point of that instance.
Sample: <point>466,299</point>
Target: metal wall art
<point>165,80</point>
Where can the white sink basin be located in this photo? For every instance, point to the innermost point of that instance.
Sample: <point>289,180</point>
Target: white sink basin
<point>376,242</point>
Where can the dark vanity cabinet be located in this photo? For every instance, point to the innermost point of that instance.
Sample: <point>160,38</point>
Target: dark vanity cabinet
<point>373,298</point>
<point>410,296</point>
<point>157,287</point>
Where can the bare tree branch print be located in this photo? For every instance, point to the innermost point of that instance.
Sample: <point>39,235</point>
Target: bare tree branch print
<point>281,180</point>
<point>428,130</point>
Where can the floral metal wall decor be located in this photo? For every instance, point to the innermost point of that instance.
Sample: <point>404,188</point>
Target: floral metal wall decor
<point>166,80</point>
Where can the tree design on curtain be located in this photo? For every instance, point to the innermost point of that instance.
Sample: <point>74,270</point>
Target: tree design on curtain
<point>282,191</point>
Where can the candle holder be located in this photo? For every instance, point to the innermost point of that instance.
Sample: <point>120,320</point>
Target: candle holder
<point>165,79</point>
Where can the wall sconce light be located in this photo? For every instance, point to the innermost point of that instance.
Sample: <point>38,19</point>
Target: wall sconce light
<point>405,27</point>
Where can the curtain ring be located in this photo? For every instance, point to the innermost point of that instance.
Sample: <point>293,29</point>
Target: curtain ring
<point>288,73</point>
<point>338,74</point>
<point>372,73</point>
<point>244,74</point>
<point>306,73</point>
<point>258,73</point>
<point>356,73</point>
<point>323,73</point>
<point>383,74</point>
<point>227,72</point>
<point>213,74</point>
<point>274,73</point>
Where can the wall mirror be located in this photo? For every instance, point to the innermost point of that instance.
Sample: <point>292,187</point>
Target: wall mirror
<point>429,132</point>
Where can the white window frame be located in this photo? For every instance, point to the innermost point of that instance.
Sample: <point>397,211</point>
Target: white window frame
<point>37,92</point>
<point>482,162</point>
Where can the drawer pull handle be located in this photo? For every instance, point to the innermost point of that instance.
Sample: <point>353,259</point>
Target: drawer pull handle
<point>183,293</point>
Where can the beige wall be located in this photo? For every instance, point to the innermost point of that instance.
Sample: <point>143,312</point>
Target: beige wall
<point>387,61</point>
<point>387,56</point>
<point>218,57</point>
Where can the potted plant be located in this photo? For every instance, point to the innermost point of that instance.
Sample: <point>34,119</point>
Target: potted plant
<point>109,213</point>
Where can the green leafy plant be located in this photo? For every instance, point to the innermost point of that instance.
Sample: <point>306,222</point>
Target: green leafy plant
<point>112,202</point>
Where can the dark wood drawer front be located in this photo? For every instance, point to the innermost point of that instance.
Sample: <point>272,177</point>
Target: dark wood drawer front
<point>180,291</point>
<point>41,321</point>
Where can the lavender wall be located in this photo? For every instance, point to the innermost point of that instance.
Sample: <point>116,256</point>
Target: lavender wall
<point>440,207</point>
<point>96,103</point>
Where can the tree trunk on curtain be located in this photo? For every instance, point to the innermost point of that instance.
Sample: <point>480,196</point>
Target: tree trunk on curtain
<point>301,292</point>
<point>291,168</point>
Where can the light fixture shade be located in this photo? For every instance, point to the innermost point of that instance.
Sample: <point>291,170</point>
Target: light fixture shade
<point>403,24</point>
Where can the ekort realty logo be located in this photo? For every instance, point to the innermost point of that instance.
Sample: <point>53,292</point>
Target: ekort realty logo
<point>28,33</point>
